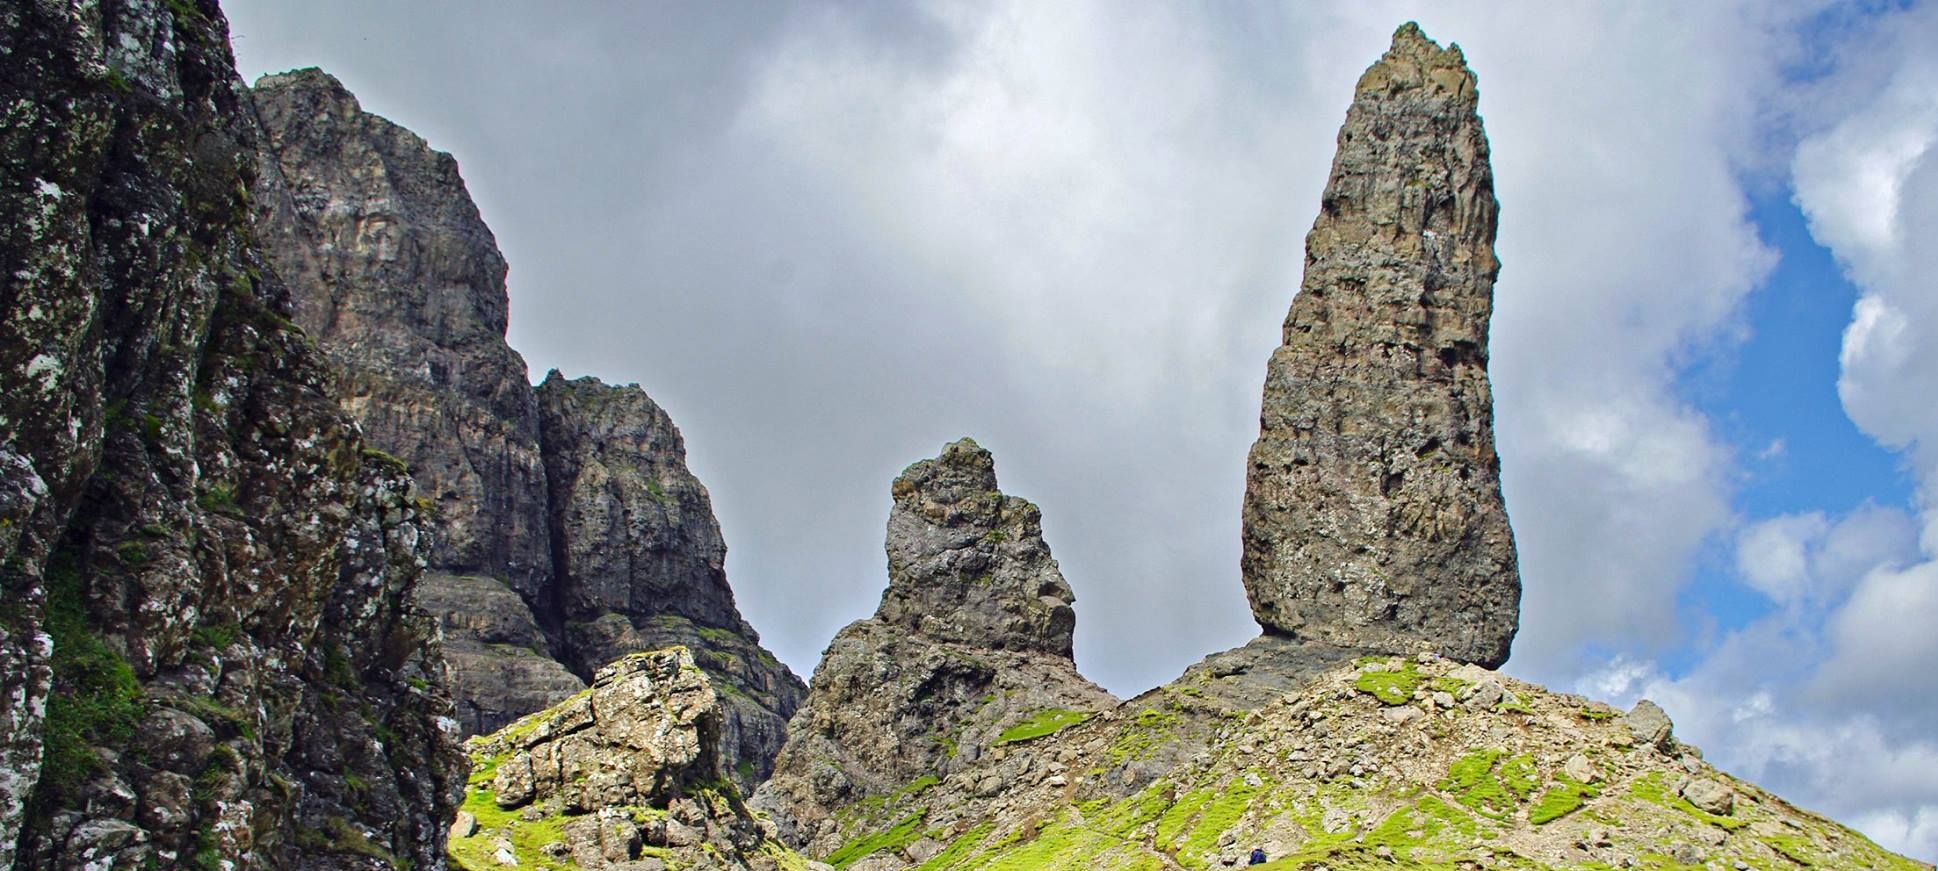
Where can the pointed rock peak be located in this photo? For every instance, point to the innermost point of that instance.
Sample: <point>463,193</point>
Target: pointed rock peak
<point>1416,62</point>
<point>957,488</point>
<point>967,564</point>
<point>313,80</point>
<point>1373,511</point>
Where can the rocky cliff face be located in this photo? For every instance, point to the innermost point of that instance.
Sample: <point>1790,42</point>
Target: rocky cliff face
<point>568,530</point>
<point>641,564</point>
<point>626,775</point>
<point>1373,513</point>
<point>213,656</point>
<point>968,653</point>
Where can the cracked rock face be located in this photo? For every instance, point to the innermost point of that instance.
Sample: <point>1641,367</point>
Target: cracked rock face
<point>629,773</point>
<point>967,564</point>
<point>641,563</point>
<point>568,530</point>
<point>1373,515</point>
<point>211,653</point>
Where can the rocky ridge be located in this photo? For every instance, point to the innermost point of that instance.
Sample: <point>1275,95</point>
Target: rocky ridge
<point>567,528</point>
<point>1373,514</point>
<point>213,656</point>
<point>1387,762</point>
<point>1374,530</point>
<point>968,653</point>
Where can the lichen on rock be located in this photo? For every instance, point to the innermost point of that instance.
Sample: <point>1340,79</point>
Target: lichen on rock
<point>625,774</point>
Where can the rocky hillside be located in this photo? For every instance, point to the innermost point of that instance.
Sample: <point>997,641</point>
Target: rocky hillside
<point>567,528</point>
<point>210,646</point>
<point>968,653</point>
<point>1386,763</point>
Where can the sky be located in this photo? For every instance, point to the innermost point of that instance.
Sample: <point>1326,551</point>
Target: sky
<point>829,238</point>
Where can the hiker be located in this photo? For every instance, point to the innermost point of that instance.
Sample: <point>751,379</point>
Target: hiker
<point>1258,856</point>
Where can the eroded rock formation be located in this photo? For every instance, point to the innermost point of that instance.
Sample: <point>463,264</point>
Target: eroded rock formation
<point>971,641</point>
<point>628,774</point>
<point>574,498</point>
<point>641,563</point>
<point>210,647</point>
<point>1373,512</point>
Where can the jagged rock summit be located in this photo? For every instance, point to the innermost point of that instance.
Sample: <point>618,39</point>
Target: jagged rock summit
<point>968,652</point>
<point>1373,515</point>
<point>968,564</point>
<point>567,530</point>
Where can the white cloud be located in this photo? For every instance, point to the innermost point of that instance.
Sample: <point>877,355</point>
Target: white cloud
<point>1797,559</point>
<point>1771,555</point>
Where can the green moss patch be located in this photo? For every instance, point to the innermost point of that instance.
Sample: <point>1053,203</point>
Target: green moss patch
<point>895,837</point>
<point>1651,789</point>
<point>1492,787</point>
<point>1562,799</point>
<point>1041,724</point>
<point>96,699</point>
<point>1391,687</point>
<point>528,838</point>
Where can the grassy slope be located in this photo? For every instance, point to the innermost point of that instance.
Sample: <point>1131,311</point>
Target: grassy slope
<point>1339,776</point>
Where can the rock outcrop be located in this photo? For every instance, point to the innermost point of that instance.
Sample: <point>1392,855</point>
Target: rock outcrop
<point>641,564</point>
<point>627,774</point>
<point>574,497</point>
<point>1373,513</point>
<point>211,650</point>
<point>968,654</point>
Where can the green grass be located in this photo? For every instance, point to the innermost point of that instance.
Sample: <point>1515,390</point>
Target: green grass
<point>1562,799</point>
<point>528,838</point>
<point>958,849</point>
<point>96,699</point>
<point>1472,781</point>
<point>1040,724</point>
<point>894,837</point>
<point>1150,729</point>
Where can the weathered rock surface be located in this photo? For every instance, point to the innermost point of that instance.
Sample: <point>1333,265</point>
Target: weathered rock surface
<point>968,653</point>
<point>400,283</point>
<point>576,496</point>
<point>212,652</point>
<point>501,663</point>
<point>1373,513</point>
<point>628,773</point>
<point>641,563</point>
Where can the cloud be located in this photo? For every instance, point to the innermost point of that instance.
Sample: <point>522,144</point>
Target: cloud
<point>1868,180</point>
<point>1798,559</point>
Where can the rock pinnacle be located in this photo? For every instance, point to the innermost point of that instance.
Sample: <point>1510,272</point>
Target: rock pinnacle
<point>1373,514</point>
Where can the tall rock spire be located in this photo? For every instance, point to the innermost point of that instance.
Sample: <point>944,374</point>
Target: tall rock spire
<point>1373,512</point>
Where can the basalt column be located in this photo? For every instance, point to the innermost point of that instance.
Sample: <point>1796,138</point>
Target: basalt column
<point>1373,513</point>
